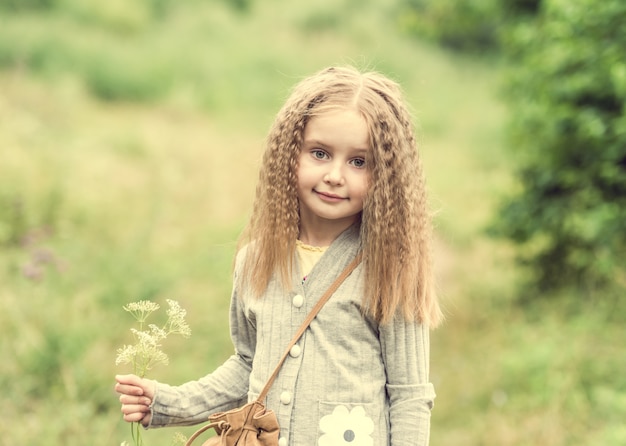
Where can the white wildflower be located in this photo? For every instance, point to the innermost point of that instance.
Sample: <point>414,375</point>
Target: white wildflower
<point>148,349</point>
<point>157,333</point>
<point>176,319</point>
<point>146,352</point>
<point>142,309</point>
<point>156,357</point>
<point>179,439</point>
<point>126,354</point>
<point>144,339</point>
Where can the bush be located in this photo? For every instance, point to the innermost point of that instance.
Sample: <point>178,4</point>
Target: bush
<point>140,81</point>
<point>466,25</point>
<point>469,26</point>
<point>568,93</point>
<point>25,5</point>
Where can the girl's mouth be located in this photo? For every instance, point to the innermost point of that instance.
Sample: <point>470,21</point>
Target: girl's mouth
<point>326,196</point>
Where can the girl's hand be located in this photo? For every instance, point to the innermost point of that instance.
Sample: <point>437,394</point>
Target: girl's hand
<point>136,395</point>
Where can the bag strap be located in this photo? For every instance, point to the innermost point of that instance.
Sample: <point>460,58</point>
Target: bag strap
<point>316,309</point>
<point>199,432</point>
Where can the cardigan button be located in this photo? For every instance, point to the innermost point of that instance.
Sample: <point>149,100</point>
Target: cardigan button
<point>295,351</point>
<point>298,300</point>
<point>285,398</point>
<point>282,441</point>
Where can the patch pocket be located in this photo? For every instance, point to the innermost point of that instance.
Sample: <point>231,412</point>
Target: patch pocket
<point>350,424</point>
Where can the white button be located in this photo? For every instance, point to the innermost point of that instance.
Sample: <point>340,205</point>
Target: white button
<point>298,300</point>
<point>295,351</point>
<point>282,441</point>
<point>285,398</point>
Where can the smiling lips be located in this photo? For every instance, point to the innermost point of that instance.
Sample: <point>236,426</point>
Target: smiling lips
<point>327,196</point>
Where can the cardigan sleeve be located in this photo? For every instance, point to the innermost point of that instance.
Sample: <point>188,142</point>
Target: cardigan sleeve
<point>224,389</point>
<point>405,349</point>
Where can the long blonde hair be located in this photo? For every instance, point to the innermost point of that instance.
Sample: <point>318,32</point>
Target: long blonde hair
<point>395,222</point>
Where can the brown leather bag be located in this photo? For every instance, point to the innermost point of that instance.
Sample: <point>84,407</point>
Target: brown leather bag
<point>251,424</point>
<point>254,424</point>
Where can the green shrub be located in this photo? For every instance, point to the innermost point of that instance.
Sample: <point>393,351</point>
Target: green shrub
<point>141,81</point>
<point>568,93</point>
<point>472,26</point>
<point>466,25</point>
<point>21,220</point>
<point>13,225</point>
<point>240,5</point>
<point>23,5</point>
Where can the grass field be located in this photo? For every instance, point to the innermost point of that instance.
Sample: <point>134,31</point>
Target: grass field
<point>130,138</point>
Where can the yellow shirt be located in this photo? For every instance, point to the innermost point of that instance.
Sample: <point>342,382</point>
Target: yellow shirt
<point>308,256</point>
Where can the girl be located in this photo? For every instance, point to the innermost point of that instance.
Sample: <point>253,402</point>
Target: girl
<point>340,174</point>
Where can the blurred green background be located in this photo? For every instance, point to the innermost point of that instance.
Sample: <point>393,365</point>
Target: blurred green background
<point>130,138</point>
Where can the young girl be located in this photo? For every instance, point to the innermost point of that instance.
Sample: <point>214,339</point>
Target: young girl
<point>340,175</point>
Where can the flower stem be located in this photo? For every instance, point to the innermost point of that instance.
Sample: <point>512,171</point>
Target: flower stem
<point>135,433</point>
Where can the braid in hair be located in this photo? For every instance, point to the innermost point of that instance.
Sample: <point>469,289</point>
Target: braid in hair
<point>395,225</point>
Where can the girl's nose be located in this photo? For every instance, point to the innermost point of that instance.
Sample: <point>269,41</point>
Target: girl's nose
<point>334,176</point>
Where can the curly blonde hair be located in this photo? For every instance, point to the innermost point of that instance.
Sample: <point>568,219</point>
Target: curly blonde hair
<point>395,221</point>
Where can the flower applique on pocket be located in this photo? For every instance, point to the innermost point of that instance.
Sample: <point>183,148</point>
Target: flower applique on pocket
<point>346,427</point>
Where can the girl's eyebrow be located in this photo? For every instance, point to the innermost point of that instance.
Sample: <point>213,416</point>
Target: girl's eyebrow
<point>317,142</point>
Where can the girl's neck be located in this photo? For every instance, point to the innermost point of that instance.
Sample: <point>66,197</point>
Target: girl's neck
<point>315,241</point>
<point>321,235</point>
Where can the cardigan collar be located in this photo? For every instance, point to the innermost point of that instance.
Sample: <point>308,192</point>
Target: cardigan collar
<point>340,252</point>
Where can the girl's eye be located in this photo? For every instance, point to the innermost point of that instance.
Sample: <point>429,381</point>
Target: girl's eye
<point>319,154</point>
<point>359,163</point>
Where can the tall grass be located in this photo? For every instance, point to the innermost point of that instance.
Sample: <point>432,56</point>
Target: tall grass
<point>130,137</point>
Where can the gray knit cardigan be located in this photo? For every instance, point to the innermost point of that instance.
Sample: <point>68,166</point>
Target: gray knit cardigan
<point>348,380</point>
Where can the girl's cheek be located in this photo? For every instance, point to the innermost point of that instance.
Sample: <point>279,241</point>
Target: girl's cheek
<point>368,184</point>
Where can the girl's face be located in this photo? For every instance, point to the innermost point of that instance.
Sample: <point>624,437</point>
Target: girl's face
<point>332,169</point>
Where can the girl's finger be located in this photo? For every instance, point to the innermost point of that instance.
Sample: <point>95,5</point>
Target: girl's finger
<point>128,399</point>
<point>143,417</point>
<point>128,389</point>
<point>128,379</point>
<point>129,409</point>
<point>134,417</point>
